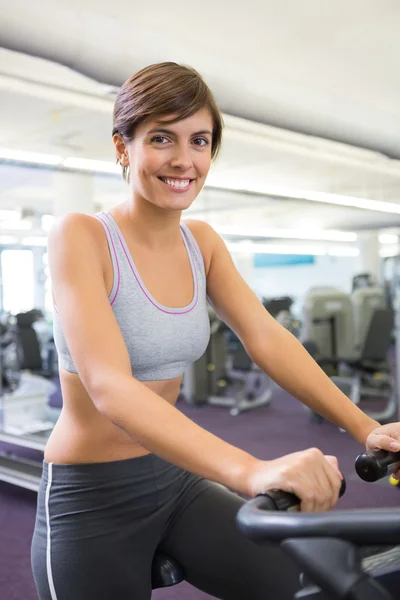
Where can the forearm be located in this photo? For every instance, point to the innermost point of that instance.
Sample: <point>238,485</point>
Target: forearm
<point>284,358</point>
<point>164,430</point>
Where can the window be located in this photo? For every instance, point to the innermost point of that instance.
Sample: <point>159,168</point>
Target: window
<point>18,280</point>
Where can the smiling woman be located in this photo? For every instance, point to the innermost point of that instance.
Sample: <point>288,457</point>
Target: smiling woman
<point>177,157</point>
<point>176,93</point>
<point>126,474</point>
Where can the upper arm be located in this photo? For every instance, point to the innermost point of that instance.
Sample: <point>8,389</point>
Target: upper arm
<point>232,298</point>
<point>89,325</point>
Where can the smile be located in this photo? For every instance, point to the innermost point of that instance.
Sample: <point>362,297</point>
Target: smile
<point>179,185</point>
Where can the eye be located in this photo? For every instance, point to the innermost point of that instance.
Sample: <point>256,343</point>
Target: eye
<point>201,142</point>
<point>158,139</point>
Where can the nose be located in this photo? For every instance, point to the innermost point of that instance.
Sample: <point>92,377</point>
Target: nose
<point>181,157</point>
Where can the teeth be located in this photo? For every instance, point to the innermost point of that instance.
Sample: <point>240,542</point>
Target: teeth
<point>182,183</point>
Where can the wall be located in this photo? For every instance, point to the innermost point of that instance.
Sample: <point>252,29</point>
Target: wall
<point>295,280</point>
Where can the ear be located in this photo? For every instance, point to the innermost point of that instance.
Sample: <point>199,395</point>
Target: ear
<point>121,149</point>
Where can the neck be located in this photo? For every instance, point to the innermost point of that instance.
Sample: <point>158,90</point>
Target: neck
<point>152,227</point>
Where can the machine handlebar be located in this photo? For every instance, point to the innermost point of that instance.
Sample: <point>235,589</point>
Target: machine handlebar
<point>274,517</point>
<point>371,466</point>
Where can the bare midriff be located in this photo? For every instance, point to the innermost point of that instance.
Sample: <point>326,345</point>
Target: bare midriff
<point>83,435</point>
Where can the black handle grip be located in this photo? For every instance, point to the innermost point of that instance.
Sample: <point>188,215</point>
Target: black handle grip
<point>371,466</point>
<point>284,501</point>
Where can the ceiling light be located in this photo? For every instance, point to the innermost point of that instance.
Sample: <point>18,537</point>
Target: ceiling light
<point>30,157</point>
<point>85,164</point>
<point>256,248</point>
<point>388,238</point>
<point>295,234</point>
<point>34,241</point>
<point>248,247</point>
<point>227,183</point>
<point>365,203</point>
<point>343,251</point>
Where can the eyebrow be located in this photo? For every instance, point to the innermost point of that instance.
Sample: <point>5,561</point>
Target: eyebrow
<point>169,132</point>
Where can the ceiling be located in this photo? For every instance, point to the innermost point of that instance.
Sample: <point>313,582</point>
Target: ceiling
<point>310,93</point>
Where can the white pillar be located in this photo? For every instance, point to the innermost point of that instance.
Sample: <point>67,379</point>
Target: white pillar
<point>73,192</point>
<point>39,277</point>
<point>370,260</point>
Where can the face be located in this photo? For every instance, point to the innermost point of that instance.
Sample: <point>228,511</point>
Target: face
<point>169,163</point>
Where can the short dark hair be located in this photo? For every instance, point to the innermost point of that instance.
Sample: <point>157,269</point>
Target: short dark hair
<point>160,90</point>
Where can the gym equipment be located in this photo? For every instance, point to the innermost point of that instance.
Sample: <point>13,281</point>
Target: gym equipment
<point>337,323</point>
<point>391,279</point>
<point>34,356</point>
<point>371,466</point>
<point>165,571</point>
<point>248,386</point>
<point>9,364</point>
<point>222,379</point>
<point>365,302</point>
<point>328,321</point>
<point>327,546</point>
<point>363,280</point>
<point>365,370</point>
<point>24,405</point>
<point>369,374</point>
<point>26,410</point>
<point>280,309</point>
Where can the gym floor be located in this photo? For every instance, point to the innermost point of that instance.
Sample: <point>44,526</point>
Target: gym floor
<point>269,432</point>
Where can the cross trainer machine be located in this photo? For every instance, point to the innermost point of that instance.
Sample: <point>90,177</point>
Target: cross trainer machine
<point>328,546</point>
<point>224,376</point>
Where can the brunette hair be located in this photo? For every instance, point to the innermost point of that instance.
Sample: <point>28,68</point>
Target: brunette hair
<point>160,90</point>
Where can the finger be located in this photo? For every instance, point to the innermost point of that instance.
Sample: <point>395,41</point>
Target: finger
<point>317,486</point>
<point>333,461</point>
<point>308,505</point>
<point>396,471</point>
<point>303,492</point>
<point>386,442</point>
<point>335,479</point>
<point>336,483</point>
<point>394,445</point>
<point>322,487</point>
<point>396,475</point>
<point>306,492</point>
<point>331,486</point>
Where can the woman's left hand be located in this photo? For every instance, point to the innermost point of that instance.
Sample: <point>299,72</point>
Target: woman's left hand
<point>386,437</point>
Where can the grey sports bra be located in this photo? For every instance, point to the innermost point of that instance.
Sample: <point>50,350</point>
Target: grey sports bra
<point>161,341</point>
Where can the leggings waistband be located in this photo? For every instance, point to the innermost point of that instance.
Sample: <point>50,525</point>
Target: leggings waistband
<point>106,471</point>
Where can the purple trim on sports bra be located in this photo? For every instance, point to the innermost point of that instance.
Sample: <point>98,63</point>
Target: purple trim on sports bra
<point>162,308</point>
<point>99,217</point>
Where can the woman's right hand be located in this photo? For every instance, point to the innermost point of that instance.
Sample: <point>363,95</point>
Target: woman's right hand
<point>313,477</point>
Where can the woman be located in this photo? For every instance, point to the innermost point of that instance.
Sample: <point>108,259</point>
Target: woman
<point>125,473</point>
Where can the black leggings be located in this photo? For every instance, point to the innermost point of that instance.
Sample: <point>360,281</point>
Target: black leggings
<point>99,525</point>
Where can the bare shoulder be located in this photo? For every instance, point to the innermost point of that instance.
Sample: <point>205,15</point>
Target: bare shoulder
<point>206,237</point>
<point>76,229</point>
<point>75,224</point>
<point>76,240</point>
